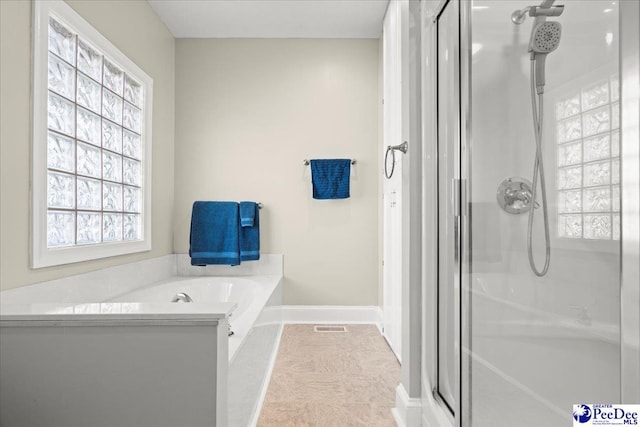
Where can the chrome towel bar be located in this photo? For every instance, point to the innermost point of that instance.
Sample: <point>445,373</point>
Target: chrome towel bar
<point>306,162</point>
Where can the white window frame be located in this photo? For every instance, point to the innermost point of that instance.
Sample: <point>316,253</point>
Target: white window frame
<point>41,255</point>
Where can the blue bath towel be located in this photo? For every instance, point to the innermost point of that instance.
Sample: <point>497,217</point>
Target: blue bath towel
<point>330,178</point>
<point>250,235</point>
<point>214,233</point>
<point>247,213</point>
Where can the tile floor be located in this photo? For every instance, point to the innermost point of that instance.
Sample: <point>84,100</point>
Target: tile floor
<point>339,379</point>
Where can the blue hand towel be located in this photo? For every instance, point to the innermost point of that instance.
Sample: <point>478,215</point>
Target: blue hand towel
<point>247,213</point>
<point>330,178</point>
<point>250,235</point>
<point>214,233</point>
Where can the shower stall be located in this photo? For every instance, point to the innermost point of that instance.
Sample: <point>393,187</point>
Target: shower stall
<point>531,288</point>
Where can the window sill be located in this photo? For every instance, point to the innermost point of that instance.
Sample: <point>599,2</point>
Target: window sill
<point>48,257</point>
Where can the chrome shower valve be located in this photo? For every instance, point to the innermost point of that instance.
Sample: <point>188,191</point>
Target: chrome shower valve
<point>514,195</point>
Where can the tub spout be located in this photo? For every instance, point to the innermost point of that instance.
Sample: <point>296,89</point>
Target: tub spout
<point>181,297</point>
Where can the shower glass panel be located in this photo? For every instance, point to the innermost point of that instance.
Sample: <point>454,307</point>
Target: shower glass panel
<point>538,345</point>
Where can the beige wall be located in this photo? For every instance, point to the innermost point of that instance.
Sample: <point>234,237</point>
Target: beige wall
<point>247,113</point>
<point>138,32</point>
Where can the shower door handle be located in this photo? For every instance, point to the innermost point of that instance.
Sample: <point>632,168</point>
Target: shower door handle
<point>459,195</point>
<point>455,194</point>
<point>455,183</point>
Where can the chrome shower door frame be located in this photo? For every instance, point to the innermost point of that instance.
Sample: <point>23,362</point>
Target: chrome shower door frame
<point>630,203</point>
<point>466,301</point>
<point>451,189</point>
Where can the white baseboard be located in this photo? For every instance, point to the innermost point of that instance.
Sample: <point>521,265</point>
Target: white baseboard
<point>408,410</point>
<point>331,314</point>
<point>327,314</point>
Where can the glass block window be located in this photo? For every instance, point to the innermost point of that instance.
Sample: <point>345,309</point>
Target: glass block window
<point>94,186</point>
<point>588,162</point>
<point>91,111</point>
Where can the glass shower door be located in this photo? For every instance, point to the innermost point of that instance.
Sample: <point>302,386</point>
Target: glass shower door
<point>538,345</point>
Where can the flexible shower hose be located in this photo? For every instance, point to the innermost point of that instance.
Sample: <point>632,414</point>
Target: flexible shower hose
<point>538,169</point>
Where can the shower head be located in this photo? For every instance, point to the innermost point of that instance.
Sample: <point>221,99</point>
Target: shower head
<point>545,37</point>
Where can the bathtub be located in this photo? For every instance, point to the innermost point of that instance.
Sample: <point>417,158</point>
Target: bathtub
<point>249,295</point>
<point>119,352</point>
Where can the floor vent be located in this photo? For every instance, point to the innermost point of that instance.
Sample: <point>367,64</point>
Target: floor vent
<point>324,328</point>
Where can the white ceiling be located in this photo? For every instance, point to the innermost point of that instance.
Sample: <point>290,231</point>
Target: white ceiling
<point>272,18</point>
